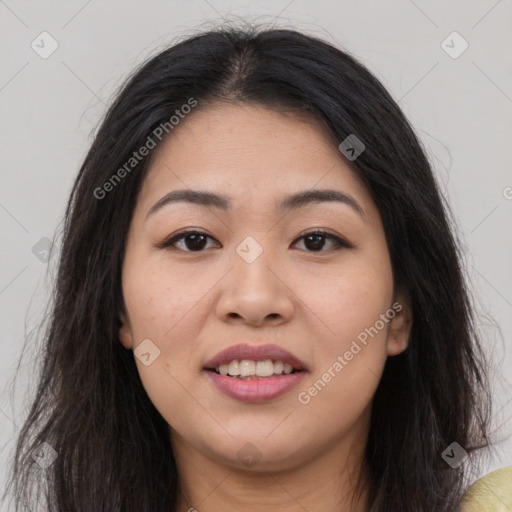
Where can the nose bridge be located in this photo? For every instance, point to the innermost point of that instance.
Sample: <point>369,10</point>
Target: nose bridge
<point>253,261</point>
<point>254,290</point>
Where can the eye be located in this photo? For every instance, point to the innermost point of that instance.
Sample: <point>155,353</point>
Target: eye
<point>316,240</point>
<point>196,241</point>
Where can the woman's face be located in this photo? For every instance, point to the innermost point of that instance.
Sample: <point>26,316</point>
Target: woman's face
<point>256,289</point>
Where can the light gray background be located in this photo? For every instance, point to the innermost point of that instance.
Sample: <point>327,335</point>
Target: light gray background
<point>460,107</point>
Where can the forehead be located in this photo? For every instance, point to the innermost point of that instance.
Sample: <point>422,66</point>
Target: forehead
<point>251,153</point>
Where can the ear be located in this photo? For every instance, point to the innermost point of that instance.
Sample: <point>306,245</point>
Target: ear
<point>400,325</point>
<point>125,332</point>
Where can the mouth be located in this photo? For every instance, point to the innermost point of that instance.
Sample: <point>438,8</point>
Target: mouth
<point>255,373</point>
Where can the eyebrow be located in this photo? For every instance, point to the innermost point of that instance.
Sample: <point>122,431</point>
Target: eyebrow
<point>291,202</point>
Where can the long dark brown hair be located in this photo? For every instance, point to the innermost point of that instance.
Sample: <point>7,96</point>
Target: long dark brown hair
<point>112,445</point>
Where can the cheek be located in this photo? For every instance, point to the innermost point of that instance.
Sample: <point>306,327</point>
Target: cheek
<point>158,299</point>
<point>167,307</point>
<point>351,301</point>
<point>161,309</point>
<point>352,353</point>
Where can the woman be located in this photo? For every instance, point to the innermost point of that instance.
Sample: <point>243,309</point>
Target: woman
<point>260,303</point>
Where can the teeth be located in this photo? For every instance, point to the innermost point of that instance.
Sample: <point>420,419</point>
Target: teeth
<point>278,366</point>
<point>233,368</point>
<point>247,368</point>
<point>265,368</point>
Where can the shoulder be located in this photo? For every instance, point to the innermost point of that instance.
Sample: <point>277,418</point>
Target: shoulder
<point>491,493</point>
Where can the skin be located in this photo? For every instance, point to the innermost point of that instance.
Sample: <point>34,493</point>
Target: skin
<point>311,299</point>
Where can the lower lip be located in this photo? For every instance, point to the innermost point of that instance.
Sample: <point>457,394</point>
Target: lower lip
<point>256,390</point>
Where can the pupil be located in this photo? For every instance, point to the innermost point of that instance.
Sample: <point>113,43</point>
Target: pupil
<point>197,242</point>
<point>319,240</point>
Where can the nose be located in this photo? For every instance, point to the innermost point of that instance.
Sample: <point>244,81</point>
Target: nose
<point>255,293</point>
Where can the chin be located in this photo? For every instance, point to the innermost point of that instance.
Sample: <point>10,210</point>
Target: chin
<point>259,452</point>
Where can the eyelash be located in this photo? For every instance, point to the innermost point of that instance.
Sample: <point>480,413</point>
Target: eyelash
<point>339,242</point>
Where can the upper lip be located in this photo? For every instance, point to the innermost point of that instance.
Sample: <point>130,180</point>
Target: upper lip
<point>255,353</point>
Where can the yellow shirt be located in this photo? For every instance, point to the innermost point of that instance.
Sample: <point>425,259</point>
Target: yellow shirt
<point>491,493</point>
